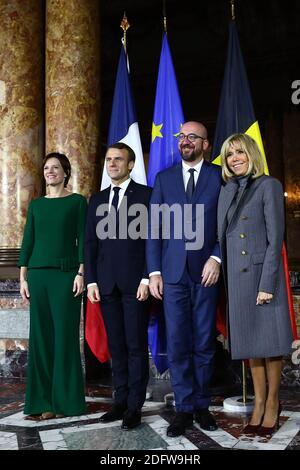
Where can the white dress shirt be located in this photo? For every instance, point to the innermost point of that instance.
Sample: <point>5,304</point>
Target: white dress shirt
<point>186,174</point>
<point>123,186</point>
<point>186,177</point>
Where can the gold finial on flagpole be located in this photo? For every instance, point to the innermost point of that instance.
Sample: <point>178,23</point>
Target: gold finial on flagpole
<point>165,16</point>
<point>232,10</point>
<point>124,25</point>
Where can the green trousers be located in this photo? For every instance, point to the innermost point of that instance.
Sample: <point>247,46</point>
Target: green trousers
<point>54,379</point>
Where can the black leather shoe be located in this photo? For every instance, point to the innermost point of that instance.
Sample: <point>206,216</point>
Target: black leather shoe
<point>132,419</point>
<point>117,412</point>
<point>206,420</point>
<point>180,422</point>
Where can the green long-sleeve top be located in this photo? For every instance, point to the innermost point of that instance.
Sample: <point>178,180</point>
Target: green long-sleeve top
<point>54,233</point>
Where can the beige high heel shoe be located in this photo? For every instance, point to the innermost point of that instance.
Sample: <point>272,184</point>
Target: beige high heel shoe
<point>47,415</point>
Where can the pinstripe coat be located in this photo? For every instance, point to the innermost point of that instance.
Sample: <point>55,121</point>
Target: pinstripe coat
<point>251,243</point>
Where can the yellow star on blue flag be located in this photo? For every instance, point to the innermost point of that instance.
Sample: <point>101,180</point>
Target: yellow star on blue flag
<point>167,115</point>
<point>156,131</point>
<point>163,154</point>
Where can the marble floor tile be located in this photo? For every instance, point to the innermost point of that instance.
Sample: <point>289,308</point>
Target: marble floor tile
<point>151,434</point>
<point>8,441</point>
<point>280,440</point>
<point>86,432</point>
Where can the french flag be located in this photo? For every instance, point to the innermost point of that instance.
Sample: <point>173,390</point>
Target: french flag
<point>123,128</point>
<point>123,123</point>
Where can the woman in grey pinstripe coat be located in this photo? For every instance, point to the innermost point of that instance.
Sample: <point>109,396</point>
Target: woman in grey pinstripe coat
<point>251,230</point>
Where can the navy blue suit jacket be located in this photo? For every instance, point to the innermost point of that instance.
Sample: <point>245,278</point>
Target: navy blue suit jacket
<point>111,262</point>
<point>170,255</point>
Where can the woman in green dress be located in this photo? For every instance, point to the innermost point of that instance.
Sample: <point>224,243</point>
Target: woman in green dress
<point>51,278</point>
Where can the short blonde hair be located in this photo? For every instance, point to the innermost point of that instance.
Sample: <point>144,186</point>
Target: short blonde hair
<point>251,149</point>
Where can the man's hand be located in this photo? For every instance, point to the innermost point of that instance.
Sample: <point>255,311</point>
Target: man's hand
<point>156,286</point>
<point>263,298</point>
<point>93,294</point>
<point>142,292</point>
<point>210,273</point>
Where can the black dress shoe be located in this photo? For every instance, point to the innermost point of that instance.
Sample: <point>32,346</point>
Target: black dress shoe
<point>132,419</point>
<point>117,412</point>
<point>206,420</point>
<point>179,424</point>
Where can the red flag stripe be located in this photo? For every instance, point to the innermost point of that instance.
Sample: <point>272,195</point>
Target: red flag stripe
<point>289,292</point>
<point>95,332</point>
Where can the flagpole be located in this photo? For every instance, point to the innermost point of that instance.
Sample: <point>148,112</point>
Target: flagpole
<point>232,10</point>
<point>245,399</point>
<point>123,125</point>
<point>169,398</point>
<point>167,119</point>
<point>242,403</point>
<point>124,25</point>
<point>165,16</point>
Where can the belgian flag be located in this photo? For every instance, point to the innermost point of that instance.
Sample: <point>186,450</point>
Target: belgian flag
<point>236,115</point>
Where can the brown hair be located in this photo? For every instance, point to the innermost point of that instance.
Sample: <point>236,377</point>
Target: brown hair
<point>64,161</point>
<point>123,146</point>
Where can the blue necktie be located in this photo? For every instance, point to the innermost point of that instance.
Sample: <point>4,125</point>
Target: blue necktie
<point>191,185</point>
<point>115,199</point>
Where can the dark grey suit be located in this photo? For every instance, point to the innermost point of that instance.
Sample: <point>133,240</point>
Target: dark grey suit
<point>117,265</point>
<point>251,241</point>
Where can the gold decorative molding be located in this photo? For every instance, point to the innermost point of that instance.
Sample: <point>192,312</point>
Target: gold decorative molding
<point>9,256</point>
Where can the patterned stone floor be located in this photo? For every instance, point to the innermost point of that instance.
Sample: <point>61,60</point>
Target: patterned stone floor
<point>86,433</point>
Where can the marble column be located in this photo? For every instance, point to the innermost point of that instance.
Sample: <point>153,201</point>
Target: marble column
<point>72,87</point>
<point>21,117</point>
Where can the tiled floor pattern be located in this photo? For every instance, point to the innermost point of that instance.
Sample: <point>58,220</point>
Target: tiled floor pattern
<point>87,433</point>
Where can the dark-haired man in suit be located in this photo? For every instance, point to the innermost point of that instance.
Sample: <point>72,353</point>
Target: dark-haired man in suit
<point>116,275</point>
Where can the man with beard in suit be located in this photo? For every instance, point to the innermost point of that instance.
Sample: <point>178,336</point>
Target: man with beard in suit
<point>186,276</point>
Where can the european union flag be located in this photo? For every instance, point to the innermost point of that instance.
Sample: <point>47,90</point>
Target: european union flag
<point>123,122</point>
<point>167,120</point>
